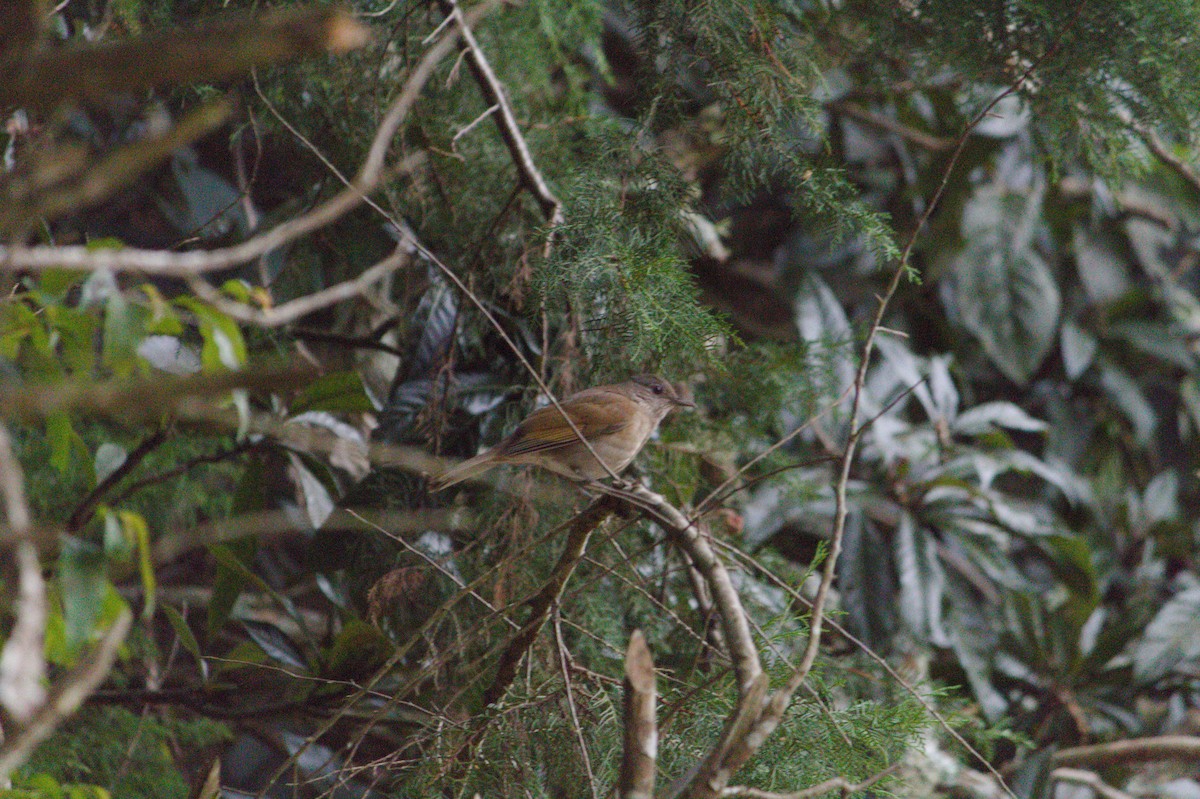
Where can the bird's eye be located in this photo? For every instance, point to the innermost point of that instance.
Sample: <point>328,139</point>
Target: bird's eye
<point>657,388</point>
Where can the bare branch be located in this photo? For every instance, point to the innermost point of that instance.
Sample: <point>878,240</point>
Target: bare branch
<point>561,646</point>
<point>581,529</point>
<point>920,138</point>
<point>23,662</point>
<point>506,120</point>
<point>302,306</point>
<point>1166,747</point>
<point>195,262</point>
<point>1160,149</point>
<point>65,697</point>
<point>144,399</point>
<point>218,49</point>
<point>641,727</point>
<point>28,200</point>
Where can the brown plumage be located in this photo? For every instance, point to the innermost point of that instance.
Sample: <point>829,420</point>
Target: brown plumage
<point>616,420</point>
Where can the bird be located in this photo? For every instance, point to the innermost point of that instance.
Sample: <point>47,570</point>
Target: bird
<point>616,420</point>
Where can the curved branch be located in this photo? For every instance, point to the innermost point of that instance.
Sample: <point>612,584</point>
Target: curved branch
<point>195,262</point>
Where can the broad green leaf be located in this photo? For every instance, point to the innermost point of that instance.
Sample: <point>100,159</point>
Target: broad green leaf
<point>56,282</point>
<point>1171,639</point>
<point>186,637</point>
<point>83,578</point>
<point>109,458</point>
<point>983,418</point>
<point>122,333</point>
<point>224,347</point>
<point>65,444</point>
<point>75,337</point>
<point>1003,289</point>
<point>1127,395</point>
<point>921,581</point>
<point>275,643</point>
<point>138,532</point>
<point>337,391</point>
<point>117,546</point>
<point>1102,258</point>
<point>1078,348</point>
<point>228,583</point>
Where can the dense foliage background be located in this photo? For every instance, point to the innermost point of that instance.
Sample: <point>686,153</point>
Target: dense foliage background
<point>719,192</point>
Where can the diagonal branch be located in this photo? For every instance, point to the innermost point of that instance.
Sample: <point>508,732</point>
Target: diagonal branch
<point>495,96</point>
<point>65,697</point>
<point>195,262</point>
<point>582,527</point>
<point>22,662</point>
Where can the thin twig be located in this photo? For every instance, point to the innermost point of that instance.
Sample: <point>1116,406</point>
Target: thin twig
<point>1134,750</point>
<point>301,306</point>
<point>506,120</point>
<point>582,527</point>
<point>87,506</point>
<point>561,646</point>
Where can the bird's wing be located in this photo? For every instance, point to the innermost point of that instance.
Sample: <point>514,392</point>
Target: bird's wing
<point>595,413</point>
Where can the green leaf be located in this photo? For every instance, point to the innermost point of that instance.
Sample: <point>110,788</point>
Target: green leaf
<point>922,581</point>
<point>337,391</point>
<point>275,643</point>
<point>82,575</point>
<point>138,532</point>
<point>65,443</point>
<point>1078,348</point>
<point>122,333</point>
<point>1005,293</point>
<point>1171,639</point>
<point>360,648</point>
<point>57,282</point>
<point>224,347</point>
<point>186,637</point>
<point>228,583</point>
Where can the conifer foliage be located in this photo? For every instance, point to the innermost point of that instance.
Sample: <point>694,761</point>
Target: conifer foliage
<point>928,267</point>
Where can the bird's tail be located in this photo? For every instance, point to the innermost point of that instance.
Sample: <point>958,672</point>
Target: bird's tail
<point>472,467</point>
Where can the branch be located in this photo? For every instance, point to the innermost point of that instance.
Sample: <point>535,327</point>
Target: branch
<point>65,697</point>
<point>172,546</point>
<point>506,120</point>
<point>144,399</point>
<point>1167,747</point>
<point>302,306</point>
<point>1157,146</point>
<point>641,728</point>
<point>195,262</point>
<point>31,199</point>
<point>23,662</point>
<point>692,539</point>
<point>582,527</point>
<point>87,507</point>
<point>222,48</point>
<point>920,138</point>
